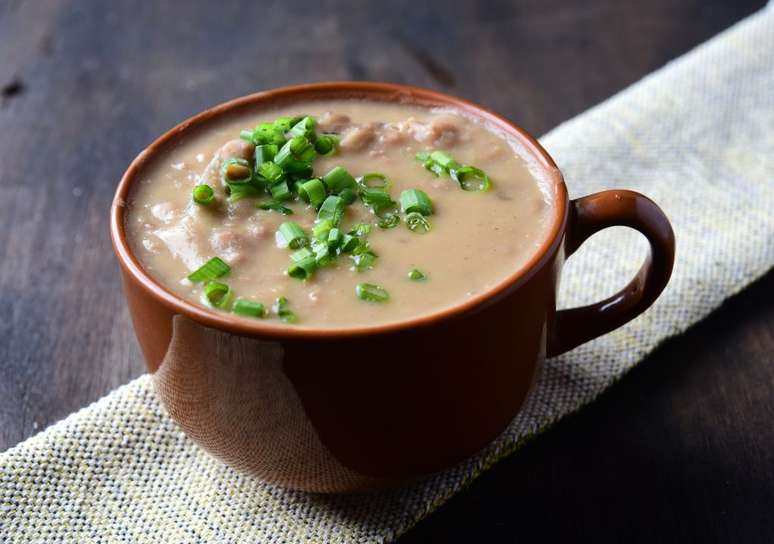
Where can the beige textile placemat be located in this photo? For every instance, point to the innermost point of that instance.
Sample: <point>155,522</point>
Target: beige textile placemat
<point>697,136</point>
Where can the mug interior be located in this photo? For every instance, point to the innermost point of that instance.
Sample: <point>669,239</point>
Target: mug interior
<point>320,91</point>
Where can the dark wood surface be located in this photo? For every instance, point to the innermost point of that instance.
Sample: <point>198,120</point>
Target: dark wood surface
<point>682,450</point>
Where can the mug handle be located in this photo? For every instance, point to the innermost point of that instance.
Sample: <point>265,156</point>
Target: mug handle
<point>589,215</point>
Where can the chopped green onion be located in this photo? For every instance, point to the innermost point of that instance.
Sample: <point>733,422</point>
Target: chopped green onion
<point>305,127</point>
<point>302,149</point>
<point>471,178</point>
<point>444,160</point>
<point>313,192</point>
<point>348,196</point>
<point>417,275</point>
<point>271,172</point>
<point>435,168</point>
<point>280,192</point>
<point>414,200</point>
<point>332,209</point>
<point>214,268</point>
<point>268,133</point>
<point>236,171</point>
<point>303,269</point>
<point>334,238</point>
<point>298,148</point>
<point>284,124</point>
<point>322,253</point>
<point>242,190</point>
<point>298,169</point>
<point>301,254</point>
<point>249,308</point>
<point>339,179</point>
<point>349,243</point>
<point>363,258</point>
<point>203,194</point>
<point>376,199</point>
<point>360,229</point>
<point>371,293</point>
<point>381,181</point>
<point>217,294</point>
<point>265,153</point>
<point>326,144</point>
<point>389,221</point>
<point>246,135</point>
<point>321,229</point>
<point>281,307</point>
<point>290,234</point>
<point>275,207</point>
<point>416,222</point>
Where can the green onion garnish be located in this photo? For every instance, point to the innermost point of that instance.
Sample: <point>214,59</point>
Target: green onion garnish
<point>265,153</point>
<point>376,199</point>
<point>284,124</point>
<point>275,207</point>
<point>416,275</point>
<point>326,144</point>
<point>349,243</point>
<point>371,293</point>
<point>236,171</point>
<point>416,222</point>
<point>214,268</point>
<point>305,127</point>
<point>414,200</point>
<point>334,238</point>
<point>242,190</point>
<point>290,234</point>
<point>471,178</point>
<point>217,294</point>
<point>249,308</point>
<point>266,133</point>
<point>280,192</point>
<point>338,179</point>
<point>304,264</point>
<point>270,172</point>
<point>298,148</point>
<point>203,194</point>
<point>281,307</point>
<point>360,229</point>
<point>348,196</point>
<point>390,220</point>
<point>301,254</point>
<point>373,180</point>
<point>321,229</point>
<point>313,192</point>
<point>362,257</point>
<point>299,170</point>
<point>332,209</point>
<point>444,160</point>
<point>323,255</point>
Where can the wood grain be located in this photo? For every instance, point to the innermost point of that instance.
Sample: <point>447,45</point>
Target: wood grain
<point>680,451</point>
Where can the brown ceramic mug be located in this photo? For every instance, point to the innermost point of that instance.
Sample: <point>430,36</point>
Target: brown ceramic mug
<point>304,408</point>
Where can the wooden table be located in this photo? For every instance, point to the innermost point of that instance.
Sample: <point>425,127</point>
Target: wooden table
<point>682,450</point>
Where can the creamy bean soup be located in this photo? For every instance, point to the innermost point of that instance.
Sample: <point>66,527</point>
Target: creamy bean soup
<point>338,213</point>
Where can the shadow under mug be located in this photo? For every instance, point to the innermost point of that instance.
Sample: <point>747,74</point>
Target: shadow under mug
<point>365,408</point>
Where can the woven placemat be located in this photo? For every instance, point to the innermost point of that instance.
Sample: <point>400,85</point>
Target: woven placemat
<point>696,136</point>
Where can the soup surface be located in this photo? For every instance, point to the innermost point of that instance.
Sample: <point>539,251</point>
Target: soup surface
<point>475,239</point>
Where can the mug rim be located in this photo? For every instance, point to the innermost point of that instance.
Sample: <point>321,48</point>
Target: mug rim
<point>390,92</point>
